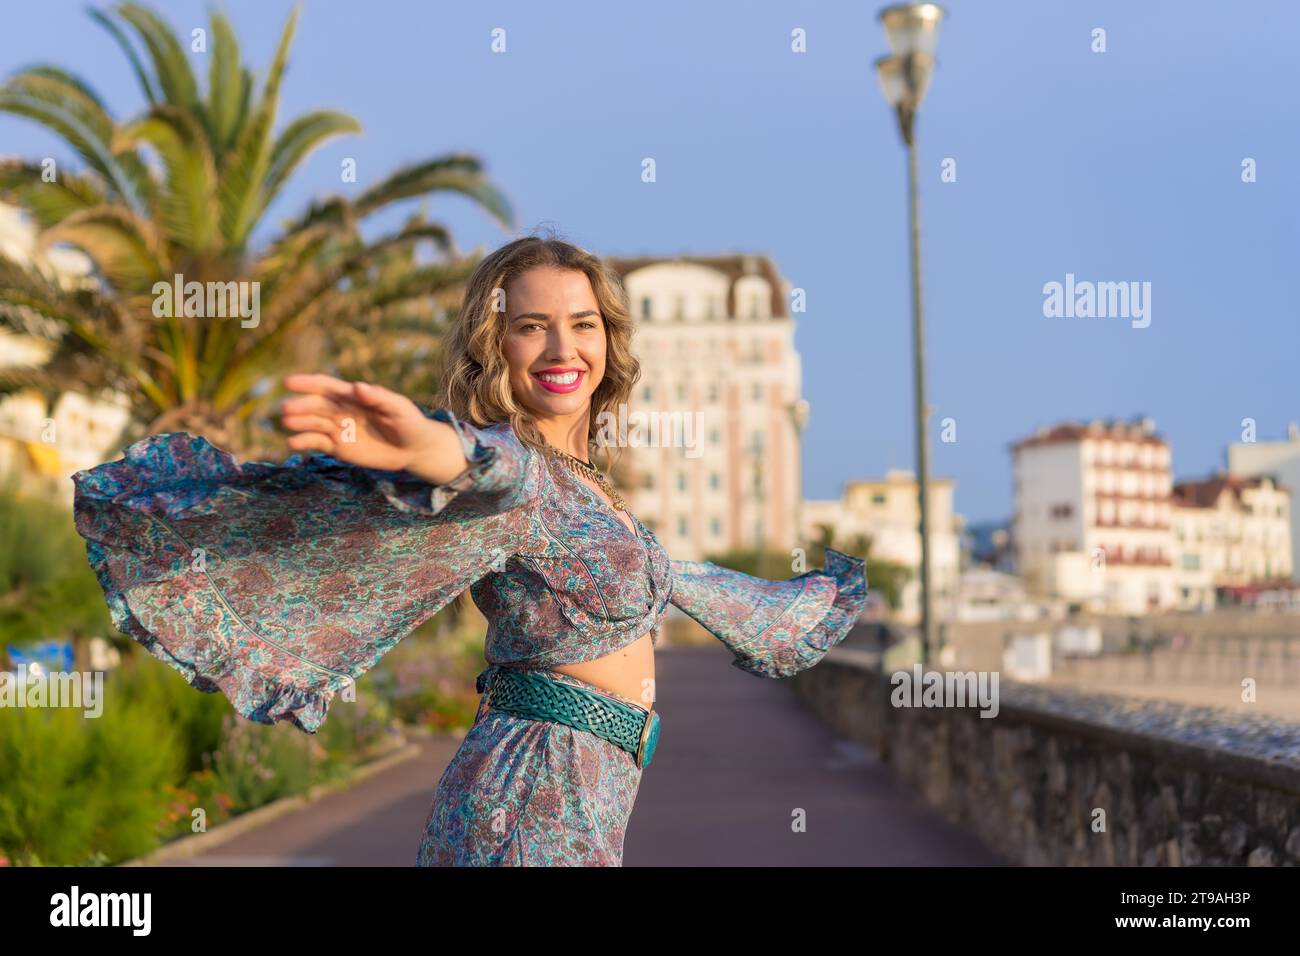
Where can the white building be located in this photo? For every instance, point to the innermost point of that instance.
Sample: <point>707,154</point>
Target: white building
<point>42,446</point>
<point>1093,511</point>
<point>715,339</point>
<point>1229,531</point>
<point>887,511</point>
<point>984,594</point>
<point>1281,459</point>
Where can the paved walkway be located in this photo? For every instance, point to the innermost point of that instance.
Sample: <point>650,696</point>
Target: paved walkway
<point>738,756</point>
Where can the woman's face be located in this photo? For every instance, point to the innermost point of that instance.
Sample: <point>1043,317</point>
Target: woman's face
<point>555,341</point>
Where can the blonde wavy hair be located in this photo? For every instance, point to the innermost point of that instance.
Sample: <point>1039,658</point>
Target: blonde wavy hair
<point>475,375</point>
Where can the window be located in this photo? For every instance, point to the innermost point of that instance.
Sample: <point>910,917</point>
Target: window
<point>713,394</point>
<point>681,481</point>
<point>645,308</point>
<point>757,392</point>
<point>679,310</point>
<point>714,437</point>
<point>714,481</point>
<point>681,527</point>
<point>1062,510</point>
<point>878,498</point>
<point>715,527</point>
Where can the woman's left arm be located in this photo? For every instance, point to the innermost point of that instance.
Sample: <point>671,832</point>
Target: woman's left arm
<point>774,628</point>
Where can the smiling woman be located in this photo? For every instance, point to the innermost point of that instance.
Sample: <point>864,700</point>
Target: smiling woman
<point>311,570</point>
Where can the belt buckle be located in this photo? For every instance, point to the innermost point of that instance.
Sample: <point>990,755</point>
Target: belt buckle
<point>645,747</point>
<point>486,703</point>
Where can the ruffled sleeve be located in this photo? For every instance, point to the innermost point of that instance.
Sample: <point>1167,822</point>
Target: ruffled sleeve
<point>279,584</point>
<point>774,628</point>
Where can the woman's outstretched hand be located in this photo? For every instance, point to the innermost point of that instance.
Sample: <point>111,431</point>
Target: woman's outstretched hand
<point>370,426</point>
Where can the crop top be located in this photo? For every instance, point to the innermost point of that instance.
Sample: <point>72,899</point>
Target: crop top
<point>280,584</point>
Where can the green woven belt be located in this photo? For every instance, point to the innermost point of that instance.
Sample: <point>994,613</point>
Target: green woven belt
<point>535,697</point>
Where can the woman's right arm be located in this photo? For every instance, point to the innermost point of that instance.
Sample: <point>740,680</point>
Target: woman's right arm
<point>434,456</point>
<point>371,426</point>
<point>280,584</point>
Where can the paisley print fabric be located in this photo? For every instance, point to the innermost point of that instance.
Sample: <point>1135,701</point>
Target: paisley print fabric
<point>280,584</point>
<point>525,792</point>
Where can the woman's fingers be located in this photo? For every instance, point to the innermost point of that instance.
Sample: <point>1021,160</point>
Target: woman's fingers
<point>311,441</point>
<point>318,384</point>
<point>312,423</point>
<point>377,397</point>
<point>311,405</point>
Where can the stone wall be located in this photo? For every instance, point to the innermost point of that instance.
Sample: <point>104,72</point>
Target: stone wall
<point>979,644</point>
<point>1177,785</point>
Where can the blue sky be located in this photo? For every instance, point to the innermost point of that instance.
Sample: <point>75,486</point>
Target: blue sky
<point>1115,166</point>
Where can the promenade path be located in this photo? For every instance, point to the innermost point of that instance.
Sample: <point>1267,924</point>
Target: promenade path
<point>738,758</point>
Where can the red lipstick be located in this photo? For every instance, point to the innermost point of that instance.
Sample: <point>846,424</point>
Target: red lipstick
<point>559,380</point>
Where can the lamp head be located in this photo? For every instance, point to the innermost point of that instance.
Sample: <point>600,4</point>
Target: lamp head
<point>912,27</point>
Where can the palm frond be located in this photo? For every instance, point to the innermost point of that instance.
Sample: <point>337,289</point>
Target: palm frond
<point>22,184</point>
<point>123,41</point>
<point>298,140</point>
<point>457,172</point>
<point>244,169</point>
<point>171,65</point>
<point>224,86</point>
<point>75,118</point>
<point>126,249</point>
<point>189,196</point>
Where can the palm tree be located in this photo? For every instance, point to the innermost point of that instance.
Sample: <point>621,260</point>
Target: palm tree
<point>395,340</point>
<point>179,190</point>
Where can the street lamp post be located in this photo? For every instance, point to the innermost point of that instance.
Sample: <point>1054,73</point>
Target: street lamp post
<point>913,31</point>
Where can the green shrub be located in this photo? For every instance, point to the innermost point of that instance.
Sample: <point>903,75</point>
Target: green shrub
<point>78,790</point>
<point>196,716</point>
<point>48,585</point>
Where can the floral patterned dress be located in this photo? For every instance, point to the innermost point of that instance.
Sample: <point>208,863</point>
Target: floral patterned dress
<point>280,584</point>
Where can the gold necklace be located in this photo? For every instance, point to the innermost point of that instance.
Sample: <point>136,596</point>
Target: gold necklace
<point>590,470</point>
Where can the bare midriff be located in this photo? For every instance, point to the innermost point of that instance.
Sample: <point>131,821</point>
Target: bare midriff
<point>628,671</point>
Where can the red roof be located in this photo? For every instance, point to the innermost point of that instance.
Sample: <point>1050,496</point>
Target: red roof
<point>1071,432</point>
<point>1205,493</point>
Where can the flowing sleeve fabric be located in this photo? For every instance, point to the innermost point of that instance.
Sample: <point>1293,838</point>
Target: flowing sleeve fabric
<point>279,584</point>
<point>774,628</point>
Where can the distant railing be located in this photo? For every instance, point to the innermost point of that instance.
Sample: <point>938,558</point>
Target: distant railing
<point>1197,660</point>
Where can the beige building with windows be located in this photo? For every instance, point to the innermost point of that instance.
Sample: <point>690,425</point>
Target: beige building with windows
<point>1093,515</point>
<point>1281,460</point>
<point>1229,531</point>
<point>712,429</point>
<point>887,511</point>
